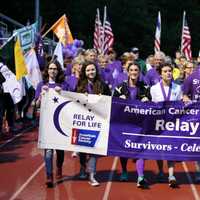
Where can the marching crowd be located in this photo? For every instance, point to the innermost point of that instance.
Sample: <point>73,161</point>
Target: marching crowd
<point>158,78</point>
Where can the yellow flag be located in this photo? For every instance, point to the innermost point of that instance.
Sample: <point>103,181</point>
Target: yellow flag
<point>62,31</point>
<point>20,65</point>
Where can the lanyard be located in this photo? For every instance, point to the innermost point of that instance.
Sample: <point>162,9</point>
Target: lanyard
<point>166,97</point>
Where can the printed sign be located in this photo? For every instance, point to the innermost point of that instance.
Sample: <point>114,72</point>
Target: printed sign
<point>104,125</point>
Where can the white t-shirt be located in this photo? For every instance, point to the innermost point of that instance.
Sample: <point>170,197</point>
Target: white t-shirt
<point>148,66</point>
<point>157,95</point>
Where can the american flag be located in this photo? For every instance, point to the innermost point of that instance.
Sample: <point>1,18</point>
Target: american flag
<point>186,39</point>
<point>103,35</point>
<point>98,33</point>
<point>157,34</point>
<point>108,34</point>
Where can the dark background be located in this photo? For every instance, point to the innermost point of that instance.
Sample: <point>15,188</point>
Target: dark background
<point>133,21</point>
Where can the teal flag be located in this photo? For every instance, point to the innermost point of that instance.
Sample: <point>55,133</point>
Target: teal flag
<point>27,36</point>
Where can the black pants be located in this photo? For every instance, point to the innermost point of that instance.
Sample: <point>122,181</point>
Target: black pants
<point>1,112</point>
<point>24,104</point>
<point>9,109</point>
<point>83,159</point>
<point>60,158</point>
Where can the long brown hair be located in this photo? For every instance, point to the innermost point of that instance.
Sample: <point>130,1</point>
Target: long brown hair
<point>60,76</point>
<point>83,81</point>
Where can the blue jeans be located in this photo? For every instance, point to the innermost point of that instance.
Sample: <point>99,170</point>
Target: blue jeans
<point>48,158</point>
<point>92,161</point>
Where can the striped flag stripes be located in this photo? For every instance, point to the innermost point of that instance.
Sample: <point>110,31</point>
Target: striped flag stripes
<point>103,35</point>
<point>98,33</point>
<point>108,34</point>
<point>157,34</point>
<point>186,39</point>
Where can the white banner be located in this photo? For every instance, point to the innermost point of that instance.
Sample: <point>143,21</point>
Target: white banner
<point>11,85</point>
<point>75,122</point>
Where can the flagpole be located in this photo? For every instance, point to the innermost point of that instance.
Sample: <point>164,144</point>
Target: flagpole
<point>104,21</point>
<point>52,27</point>
<point>157,41</point>
<point>159,16</point>
<point>99,30</point>
<point>182,31</point>
<point>8,40</point>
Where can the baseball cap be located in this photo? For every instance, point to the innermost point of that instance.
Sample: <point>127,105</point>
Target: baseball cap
<point>134,49</point>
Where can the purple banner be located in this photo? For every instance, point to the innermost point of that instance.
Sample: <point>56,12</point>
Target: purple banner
<point>160,131</point>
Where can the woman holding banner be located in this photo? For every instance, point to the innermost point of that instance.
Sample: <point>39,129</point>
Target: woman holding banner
<point>133,89</point>
<point>90,83</point>
<point>166,90</point>
<point>53,77</point>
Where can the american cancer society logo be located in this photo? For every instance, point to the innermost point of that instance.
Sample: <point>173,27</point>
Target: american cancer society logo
<point>84,137</point>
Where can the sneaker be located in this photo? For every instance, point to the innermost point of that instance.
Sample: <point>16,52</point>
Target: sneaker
<point>124,176</point>
<point>59,173</point>
<point>141,182</point>
<point>49,181</point>
<point>160,177</point>
<point>93,182</point>
<point>82,174</point>
<point>197,177</point>
<point>172,181</point>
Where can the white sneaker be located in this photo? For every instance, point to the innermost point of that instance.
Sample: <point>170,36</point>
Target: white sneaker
<point>93,182</point>
<point>141,182</point>
<point>172,181</point>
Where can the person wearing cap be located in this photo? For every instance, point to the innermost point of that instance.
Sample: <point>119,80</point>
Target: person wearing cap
<point>142,64</point>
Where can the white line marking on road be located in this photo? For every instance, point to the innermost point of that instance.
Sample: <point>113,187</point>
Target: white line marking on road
<point>10,140</point>
<point>27,182</point>
<point>193,188</point>
<point>109,183</point>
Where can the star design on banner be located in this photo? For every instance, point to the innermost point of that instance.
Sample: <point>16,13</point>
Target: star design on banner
<point>85,105</point>
<point>55,99</point>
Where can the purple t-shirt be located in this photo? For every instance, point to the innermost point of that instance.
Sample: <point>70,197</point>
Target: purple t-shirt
<point>123,76</point>
<point>106,76</point>
<point>72,82</point>
<point>68,70</point>
<point>133,92</point>
<point>152,77</point>
<point>115,65</point>
<point>191,85</point>
<point>90,88</point>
